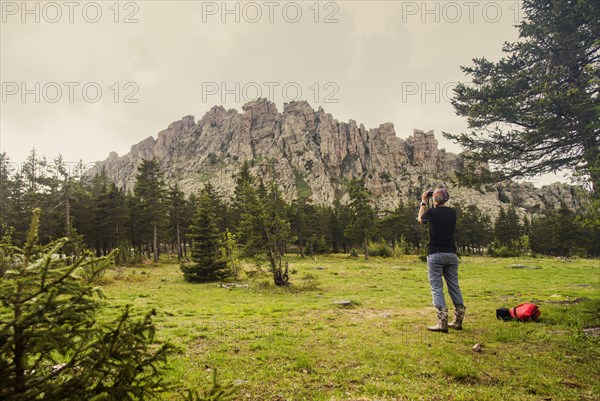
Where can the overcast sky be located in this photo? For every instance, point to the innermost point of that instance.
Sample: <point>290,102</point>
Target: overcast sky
<point>86,78</point>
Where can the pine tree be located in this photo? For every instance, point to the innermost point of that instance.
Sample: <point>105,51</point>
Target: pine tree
<point>117,203</point>
<point>149,194</point>
<point>560,233</point>
<point>500,227</point>
<point>514,229</point>
<point>263,228</point>
<point>176,204</point>
<point>540,236</point>
<point>507,228</point>
<point>244,196</point>
<point>42,189</point>
<point>101,214</point>
<point>325,220</point>
<point>187,216</point>
<point>209,260</point>
<point>217,206</point>
<point>276,232</point>
<point>474,229</point>
<point>339,221</point>
<point>536,110</point>
<point>362,218</point>
<point>302,216</point>
<point>397,224</point>
<point>51,346</point>
<point>319,228</point>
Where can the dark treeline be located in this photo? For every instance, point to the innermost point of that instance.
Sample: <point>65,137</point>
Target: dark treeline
<point>156,218</point>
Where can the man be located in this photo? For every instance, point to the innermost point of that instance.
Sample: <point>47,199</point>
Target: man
<point>442,260</point>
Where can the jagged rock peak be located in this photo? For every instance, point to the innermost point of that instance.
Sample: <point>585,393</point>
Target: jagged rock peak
<point>310,153</point>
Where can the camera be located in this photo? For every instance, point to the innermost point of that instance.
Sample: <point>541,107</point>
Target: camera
<point>430,193</point>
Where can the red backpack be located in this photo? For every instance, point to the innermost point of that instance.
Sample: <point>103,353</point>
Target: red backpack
<point>525,312</point>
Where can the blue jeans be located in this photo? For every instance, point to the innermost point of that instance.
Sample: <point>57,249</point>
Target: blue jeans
<point>444,265</point>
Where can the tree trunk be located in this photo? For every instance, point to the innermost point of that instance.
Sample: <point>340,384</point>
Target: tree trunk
<point>300,244</point>
<point>591,156</point>
<point>366,245</point>
<point>155,242</point>
<point>178,241</point>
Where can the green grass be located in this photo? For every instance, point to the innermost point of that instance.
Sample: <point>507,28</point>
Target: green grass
<point>296,344</point>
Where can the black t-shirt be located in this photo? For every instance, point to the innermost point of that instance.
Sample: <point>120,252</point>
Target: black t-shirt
<point>442,223</point>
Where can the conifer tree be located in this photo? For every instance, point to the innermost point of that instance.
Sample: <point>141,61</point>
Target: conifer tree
<point>362,217</point>
<point>507,227</point>
<point>536,110</point>
<point>302,217</point>
<point>149,195</point>
<point>325,219</point>
<point>244,195</point>
<point>339,221</point>
<point>209,260</point>
<point>52,348</point>
<point>176,203</point>
<point>276,232</point>
<point>217,206</point>
<point>473,228</point>
<point>397,224</point>
<point>263,228</point>
<point>560,233</point>
<point>189,211</point>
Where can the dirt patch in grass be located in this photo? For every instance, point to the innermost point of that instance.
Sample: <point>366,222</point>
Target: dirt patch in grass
<point>363,314</point>
<point>592,331</point>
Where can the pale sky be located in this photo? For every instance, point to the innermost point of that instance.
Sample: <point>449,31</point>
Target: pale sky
<point>82,79</point>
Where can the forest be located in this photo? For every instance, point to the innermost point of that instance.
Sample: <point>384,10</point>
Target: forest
<point>157,218</point>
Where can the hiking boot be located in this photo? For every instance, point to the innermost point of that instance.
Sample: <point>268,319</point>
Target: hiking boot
<point>459,315</point>
<point>442,321</point>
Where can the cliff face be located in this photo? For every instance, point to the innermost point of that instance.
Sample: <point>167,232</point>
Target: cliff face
<point>309,152</point>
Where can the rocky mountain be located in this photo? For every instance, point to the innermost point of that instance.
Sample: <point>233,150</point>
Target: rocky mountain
<point>309,152</point>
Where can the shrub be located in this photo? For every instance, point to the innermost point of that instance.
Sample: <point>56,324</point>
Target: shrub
<point>402,247</point>
<point>518,247</point>
<point>380,248</point>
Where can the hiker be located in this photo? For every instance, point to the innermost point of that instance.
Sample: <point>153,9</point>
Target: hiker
<point>442,260</point>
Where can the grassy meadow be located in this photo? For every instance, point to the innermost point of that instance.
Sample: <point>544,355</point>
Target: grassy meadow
<point>297,344</point>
